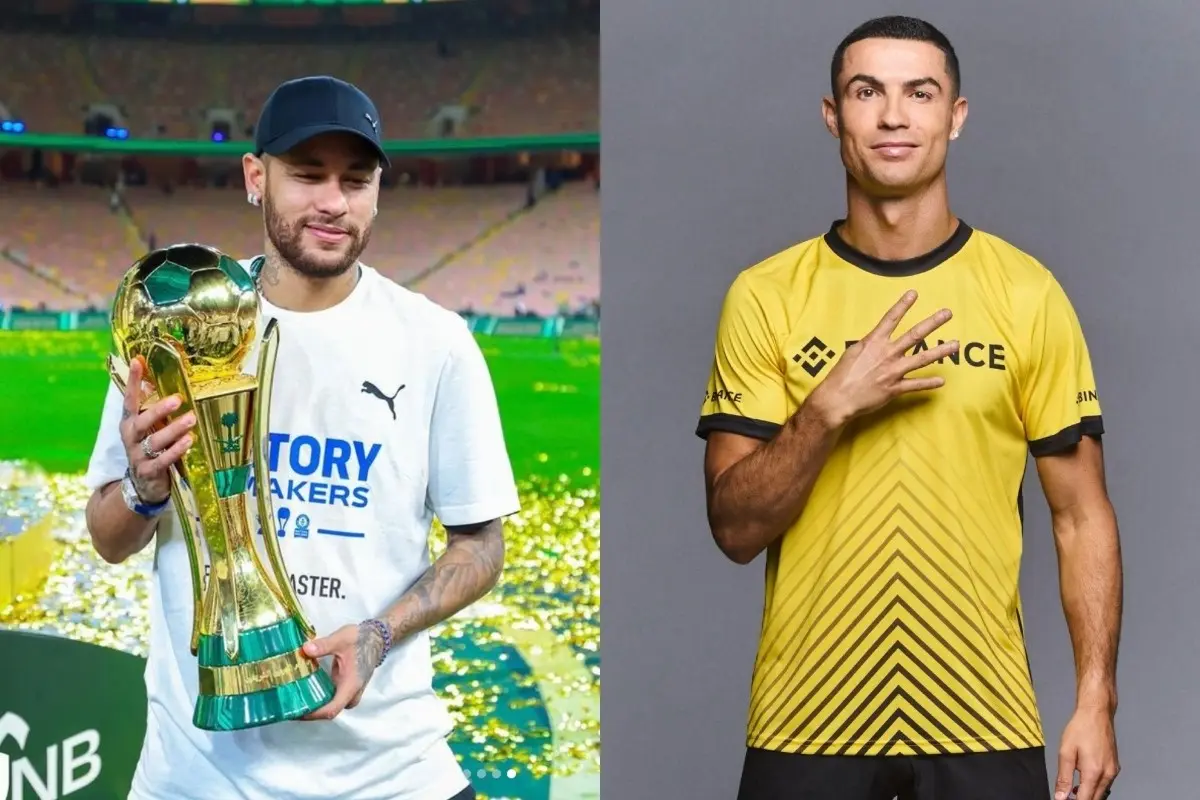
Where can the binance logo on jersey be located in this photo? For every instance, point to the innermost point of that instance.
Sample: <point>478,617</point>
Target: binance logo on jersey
<point>717,395</point>
<point>814,356</point>
<point>970,354</point>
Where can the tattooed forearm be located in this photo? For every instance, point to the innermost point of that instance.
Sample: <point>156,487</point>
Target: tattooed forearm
<point>468,570</point>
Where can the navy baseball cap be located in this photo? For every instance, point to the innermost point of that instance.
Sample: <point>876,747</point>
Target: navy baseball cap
<point>306,107</point>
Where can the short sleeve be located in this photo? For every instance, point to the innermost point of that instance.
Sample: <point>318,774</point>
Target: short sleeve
<point>1060,403</point>
<point>746,391</point>
<point>108,461</point>
<point>471,476</point>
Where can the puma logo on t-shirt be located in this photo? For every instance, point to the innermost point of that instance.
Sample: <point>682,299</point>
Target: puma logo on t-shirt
<point>373,390</point>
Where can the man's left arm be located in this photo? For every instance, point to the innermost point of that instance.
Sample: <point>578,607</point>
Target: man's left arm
<point>1089,566</point>
<point>471,489</point>
<point>1064,426</point>
<point>467,570</point>
<point>1090,580</point>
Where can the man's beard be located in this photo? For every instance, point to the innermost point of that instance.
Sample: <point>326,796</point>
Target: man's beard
<point>289,243</point>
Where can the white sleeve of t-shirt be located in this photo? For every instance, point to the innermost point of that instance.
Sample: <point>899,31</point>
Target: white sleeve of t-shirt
<point>470,475</point>
<point>108,462</point>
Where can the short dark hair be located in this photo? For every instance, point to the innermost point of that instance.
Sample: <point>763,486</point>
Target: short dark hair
<point>897,27</point>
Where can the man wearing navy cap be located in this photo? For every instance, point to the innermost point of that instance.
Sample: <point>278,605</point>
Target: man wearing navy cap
<point>383,416</point>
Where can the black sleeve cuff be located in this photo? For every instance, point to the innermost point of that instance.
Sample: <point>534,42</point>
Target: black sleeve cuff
<point>731,423</point>
<point>1068,437</point>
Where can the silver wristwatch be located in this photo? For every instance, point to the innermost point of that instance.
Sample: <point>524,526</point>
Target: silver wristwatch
<point>136,504</point>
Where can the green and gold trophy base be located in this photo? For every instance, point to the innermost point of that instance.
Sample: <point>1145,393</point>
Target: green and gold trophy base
<point>271,680</point>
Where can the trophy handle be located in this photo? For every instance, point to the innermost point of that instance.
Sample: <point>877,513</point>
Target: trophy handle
<point>118,370</point>
<point>269,349</point>
<point>191,538</point>
<point>167,366</point>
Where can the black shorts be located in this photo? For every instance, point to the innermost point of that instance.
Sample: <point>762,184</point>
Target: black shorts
<point>466,794</point>
<point>1006,775</point>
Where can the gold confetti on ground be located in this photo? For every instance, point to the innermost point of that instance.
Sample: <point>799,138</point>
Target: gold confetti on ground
<point>511,716</point>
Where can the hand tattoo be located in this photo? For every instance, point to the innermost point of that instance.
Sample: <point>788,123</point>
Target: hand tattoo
<point>368,649</point>
<point>145,489</point>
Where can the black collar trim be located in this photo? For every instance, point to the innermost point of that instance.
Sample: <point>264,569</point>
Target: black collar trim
<point>903,267</point>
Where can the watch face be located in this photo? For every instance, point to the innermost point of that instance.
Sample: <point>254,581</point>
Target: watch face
<point>128,492</point>
<point>135,503</point>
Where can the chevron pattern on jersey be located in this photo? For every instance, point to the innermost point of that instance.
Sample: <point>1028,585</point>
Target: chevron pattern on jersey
<point>893,626</point>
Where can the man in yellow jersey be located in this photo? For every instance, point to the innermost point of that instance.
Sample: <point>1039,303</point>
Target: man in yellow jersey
<point>874,394</point>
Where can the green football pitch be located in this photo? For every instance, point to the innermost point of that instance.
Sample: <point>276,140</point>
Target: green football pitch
<point>548,391</point>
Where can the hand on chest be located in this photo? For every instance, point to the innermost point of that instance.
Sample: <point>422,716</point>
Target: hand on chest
<point>980,376</point>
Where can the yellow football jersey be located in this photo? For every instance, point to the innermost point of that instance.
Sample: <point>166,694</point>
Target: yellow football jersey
<point>892,622</point>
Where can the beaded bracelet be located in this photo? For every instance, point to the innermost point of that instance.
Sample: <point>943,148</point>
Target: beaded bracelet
<point>385,633</point>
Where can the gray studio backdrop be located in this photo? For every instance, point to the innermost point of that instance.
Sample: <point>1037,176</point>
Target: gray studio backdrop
<point>1080,148</point>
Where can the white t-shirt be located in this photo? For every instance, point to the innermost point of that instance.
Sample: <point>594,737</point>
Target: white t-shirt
<point>355,491</point>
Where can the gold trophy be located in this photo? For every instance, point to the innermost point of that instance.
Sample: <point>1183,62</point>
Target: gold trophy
<point>190,313</point>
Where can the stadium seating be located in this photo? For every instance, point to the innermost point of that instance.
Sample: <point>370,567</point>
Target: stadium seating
<point>71,232</point>
<point>476,248</point>
<point>519,87</point>
<point>416,226</point>
<point>20,287</point>
<point>482,249</point>
<point>45,81</point>
<point>546,86</point>
<point>545,261</point>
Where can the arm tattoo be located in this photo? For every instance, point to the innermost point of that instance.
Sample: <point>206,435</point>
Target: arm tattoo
<point>468,570</point>
<point>369,647</point>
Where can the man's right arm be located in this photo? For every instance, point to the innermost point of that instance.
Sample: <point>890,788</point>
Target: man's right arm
<point>755,454</point>
<point>756,490</point>
<point>117,532</point>
<point>759,472</point>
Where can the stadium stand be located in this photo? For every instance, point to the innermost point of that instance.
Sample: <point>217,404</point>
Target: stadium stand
<point>69,232</point>
<point>450,230</point>
<point>484,250</point>
<point>23,287</point>
<point>544,262</point>
<point>45,81</point>
<point>416,227</point>
<point>532,86</point>
<point>539,87</point>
